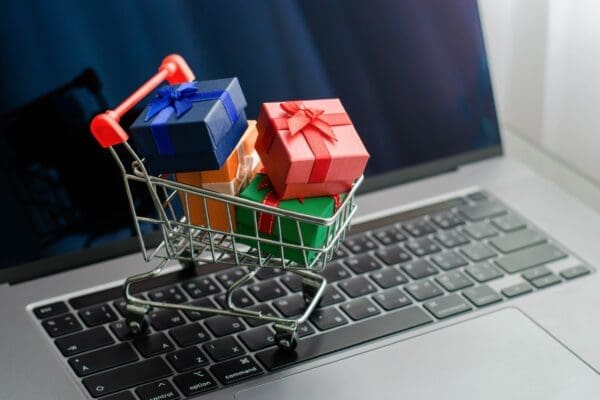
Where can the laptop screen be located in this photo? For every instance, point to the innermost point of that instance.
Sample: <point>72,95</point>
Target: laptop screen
<point>413,75</point>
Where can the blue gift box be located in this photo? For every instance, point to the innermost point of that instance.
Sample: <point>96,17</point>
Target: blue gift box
<point>191,126</point>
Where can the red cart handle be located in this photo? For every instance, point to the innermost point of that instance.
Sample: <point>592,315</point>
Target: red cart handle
<point>105,127</point>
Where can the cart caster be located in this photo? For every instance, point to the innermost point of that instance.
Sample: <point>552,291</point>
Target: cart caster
<point>138,324</point>
<point>287,341</point>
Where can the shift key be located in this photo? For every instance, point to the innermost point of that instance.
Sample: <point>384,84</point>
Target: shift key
<point>127,376</point>
<point>529,257</point>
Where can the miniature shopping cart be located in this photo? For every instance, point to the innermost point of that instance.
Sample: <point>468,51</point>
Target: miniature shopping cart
<point>194,245</point>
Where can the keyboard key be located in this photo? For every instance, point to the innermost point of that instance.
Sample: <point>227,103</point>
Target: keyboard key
<point>482,210</point>
<point>545,281</point>
<point>530,257</point>
<point>362,264</point>
<point>388,278</point>
<point>447,306</point>
<point>451,239</point>
<point>222,325</point>
<point>168,295</point>
<point>224,348</point>
<point>344,337</point>
<point>454,280</point>
<point>517,240</point>
<point>480,230</point>
<point>157,390</point>
<point>84,341</point>
<point>231,276</point>
<point>449,260</point>
<point>102,359</point>
<point>51,310</point>
<point>120,396</point>
<point>268,273</point>
<point>62,325</point>
<point>358,309</point>
<point>268,290</point>
<point>97,315</point>
<point>200,287</point>
<point>508,223</point>
<point>536,272</point>
<point>389,236</point>
<point>357,286</point>
<point>293,282</point>
<point>419,269</point>
<point>339,253</point>
<point>422,247</point>
<point>360,244</point>
<point>304,329</point>
<point>423,290</point>
<point>393,255</point>
<point>517,289</point>
<point>478,196</point>
<point>483,272</point>
<point>151,345</point>
<point>482,295</point>
<point>186,359</point>
<point>290,305</point>
<point>335,272</point>
<point>446,220</point>
<point>258,339</point>
<point>331,296</point>
<point>165,319</point>
<point>127,376</point>
<point>188,335</point>
<point>327,318</point>
<point>197,315</point>
<point>236,370</point>
<point>121,305</point>
<point>264,309</point>
<point>196,382</point>
<point>418,227</point>
<point>575,272</point>
<point>240,299</point>
<point>392,299</point>
<point>477,251</point>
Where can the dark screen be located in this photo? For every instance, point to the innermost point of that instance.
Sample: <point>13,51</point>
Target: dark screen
<point>413,76</point>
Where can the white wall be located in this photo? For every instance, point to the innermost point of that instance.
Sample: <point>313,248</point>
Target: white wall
<point>545,64</point>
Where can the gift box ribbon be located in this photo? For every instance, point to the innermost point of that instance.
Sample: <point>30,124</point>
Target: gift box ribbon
<point>316,127</point>
<point>246,167</point>
<point>266,221</point>
<point>179,100</point>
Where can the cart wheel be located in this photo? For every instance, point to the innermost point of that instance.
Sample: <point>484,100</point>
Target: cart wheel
<point>138,324</point>
<point>287,341</point>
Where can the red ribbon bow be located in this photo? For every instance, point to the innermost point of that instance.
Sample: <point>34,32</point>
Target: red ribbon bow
<point>305,119</point>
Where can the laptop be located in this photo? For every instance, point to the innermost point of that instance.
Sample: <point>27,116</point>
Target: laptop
<point>465,275</point>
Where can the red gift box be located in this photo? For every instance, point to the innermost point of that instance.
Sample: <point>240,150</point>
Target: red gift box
<point>309,148</point>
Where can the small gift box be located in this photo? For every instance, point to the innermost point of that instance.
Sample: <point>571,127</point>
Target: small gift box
<point>261,191</point>
<point>309,148</point>
<point>191,126</point>
<point>237,171</point>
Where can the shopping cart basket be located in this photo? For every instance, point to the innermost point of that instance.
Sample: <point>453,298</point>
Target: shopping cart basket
<point>194,245</point>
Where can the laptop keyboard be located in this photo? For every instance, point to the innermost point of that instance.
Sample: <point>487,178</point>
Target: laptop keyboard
<point>389,276</point>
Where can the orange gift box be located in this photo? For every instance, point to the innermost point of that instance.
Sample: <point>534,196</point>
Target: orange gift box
<point>238,170</point>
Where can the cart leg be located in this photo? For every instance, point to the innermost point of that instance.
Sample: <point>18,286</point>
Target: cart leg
<point>310,288</point>
<point>137,318</point>
<point>286,336</point>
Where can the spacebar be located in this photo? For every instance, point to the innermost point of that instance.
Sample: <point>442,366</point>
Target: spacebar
<point>344,337</point>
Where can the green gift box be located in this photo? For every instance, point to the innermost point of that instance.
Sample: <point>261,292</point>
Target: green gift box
<point>313,235</point>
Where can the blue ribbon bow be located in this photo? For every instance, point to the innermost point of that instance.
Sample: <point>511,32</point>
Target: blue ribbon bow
<point>180,99</point>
